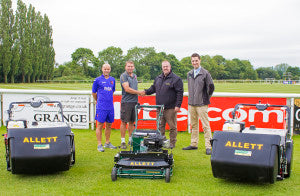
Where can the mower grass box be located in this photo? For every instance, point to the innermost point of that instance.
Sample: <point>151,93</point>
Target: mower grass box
<point>45,150</point>
<point>251,153</point>
<point>38,147</point>
<point>245,156</point>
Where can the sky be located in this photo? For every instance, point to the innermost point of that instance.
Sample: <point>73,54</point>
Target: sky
<point>265,32</point>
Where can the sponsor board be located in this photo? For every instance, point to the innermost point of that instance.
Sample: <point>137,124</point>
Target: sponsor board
<point>219,111</point>
<point>76,111</point>
<point>297,116</point>
<point>75,108</point>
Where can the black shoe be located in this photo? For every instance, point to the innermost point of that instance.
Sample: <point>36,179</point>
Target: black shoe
<point>208,151</point>
<point>190,148</point>
<point>172,146</point>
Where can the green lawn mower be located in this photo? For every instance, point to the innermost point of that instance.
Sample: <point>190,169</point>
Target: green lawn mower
<point>146,157</point>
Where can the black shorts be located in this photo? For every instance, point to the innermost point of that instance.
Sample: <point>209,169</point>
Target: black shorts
<point>128,112</point>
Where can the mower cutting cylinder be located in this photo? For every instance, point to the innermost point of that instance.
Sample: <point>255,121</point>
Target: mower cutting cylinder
<point>43,151</point>
<point>243,156</point>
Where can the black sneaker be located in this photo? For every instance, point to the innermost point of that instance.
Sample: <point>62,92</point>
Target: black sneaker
<point>190,148</point>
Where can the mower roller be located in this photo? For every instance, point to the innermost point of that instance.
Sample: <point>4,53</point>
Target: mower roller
<point>146,158</point>
<point>251,153</point>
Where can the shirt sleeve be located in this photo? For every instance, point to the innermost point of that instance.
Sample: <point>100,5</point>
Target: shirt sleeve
<point>152,89</point>
<point>179,92</point>
<point>114,87</point>
<point>210,85</point>
<point>95,86</point>
<point>123,78</point>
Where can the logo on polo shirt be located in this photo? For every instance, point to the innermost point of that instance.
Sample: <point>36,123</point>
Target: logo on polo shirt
<point>107,88</point>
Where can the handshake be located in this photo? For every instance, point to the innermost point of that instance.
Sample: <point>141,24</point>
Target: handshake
<point>141,93</point>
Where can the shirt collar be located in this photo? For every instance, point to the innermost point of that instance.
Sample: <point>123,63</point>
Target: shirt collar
<point>196,71</point>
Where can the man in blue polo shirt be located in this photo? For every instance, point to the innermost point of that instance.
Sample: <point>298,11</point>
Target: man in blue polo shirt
<point>102,91</point>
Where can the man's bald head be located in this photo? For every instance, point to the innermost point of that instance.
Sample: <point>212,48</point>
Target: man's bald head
<point>106,70</point>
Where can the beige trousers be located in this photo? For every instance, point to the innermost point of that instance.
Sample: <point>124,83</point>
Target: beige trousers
<point>201,112</point>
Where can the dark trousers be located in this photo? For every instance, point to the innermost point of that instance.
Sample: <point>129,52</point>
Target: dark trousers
<point>170,117</point>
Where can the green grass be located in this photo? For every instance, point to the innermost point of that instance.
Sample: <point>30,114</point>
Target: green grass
<point>91,175</point>
<point>220,87</point>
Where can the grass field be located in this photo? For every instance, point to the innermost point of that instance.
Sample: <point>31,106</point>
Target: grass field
<point>91,175</point>
<point>192,173</point>
<point>220,87</point>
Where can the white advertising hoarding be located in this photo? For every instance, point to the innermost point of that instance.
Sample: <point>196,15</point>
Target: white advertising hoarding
<point>75,107</point>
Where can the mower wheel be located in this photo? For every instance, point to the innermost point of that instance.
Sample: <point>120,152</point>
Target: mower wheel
<point>168,176</point>
<point>170,159</point>
<point>289,157</point>
<point>273,177</point>
<point>7,155</point>
<point>8,163</point>
<point>11,167</point>
<point>114,174</point>
<point>73,154</point>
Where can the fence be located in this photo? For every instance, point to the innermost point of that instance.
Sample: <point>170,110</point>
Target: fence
<point>82,101</point>
<point>215,81</point>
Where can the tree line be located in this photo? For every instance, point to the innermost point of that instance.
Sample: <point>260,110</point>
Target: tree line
<point>85,65</point>
<point>26,44</point>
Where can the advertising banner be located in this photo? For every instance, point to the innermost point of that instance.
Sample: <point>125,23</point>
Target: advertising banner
<point>219,111</point>
<point>75,108</point>
<point>297,116</point>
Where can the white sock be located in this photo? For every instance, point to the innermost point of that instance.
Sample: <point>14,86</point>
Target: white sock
<point>122,140</point>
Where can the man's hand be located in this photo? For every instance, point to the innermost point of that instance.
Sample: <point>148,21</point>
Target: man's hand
<point>177,109</point>
<point>143,93</point>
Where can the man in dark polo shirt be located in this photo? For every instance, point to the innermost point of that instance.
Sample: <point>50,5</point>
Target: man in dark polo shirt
<point>129,99</point>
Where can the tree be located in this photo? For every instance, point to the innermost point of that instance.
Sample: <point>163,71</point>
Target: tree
<point>23,34</point>
<point>15,52</point>
<point>83,57</point>
<point>7,25</point>
<point>48,52</point>
<point>281,68</point>
<point>248,71</point>
<point>37,46</point>
<point>177,68</point>
<point>186,65</point>
<point>113,56</point>
<point>295,72</point>
<point>267,72</point>
<point>218,67</point>
<point>153,61</point>
<point>137,55</point>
